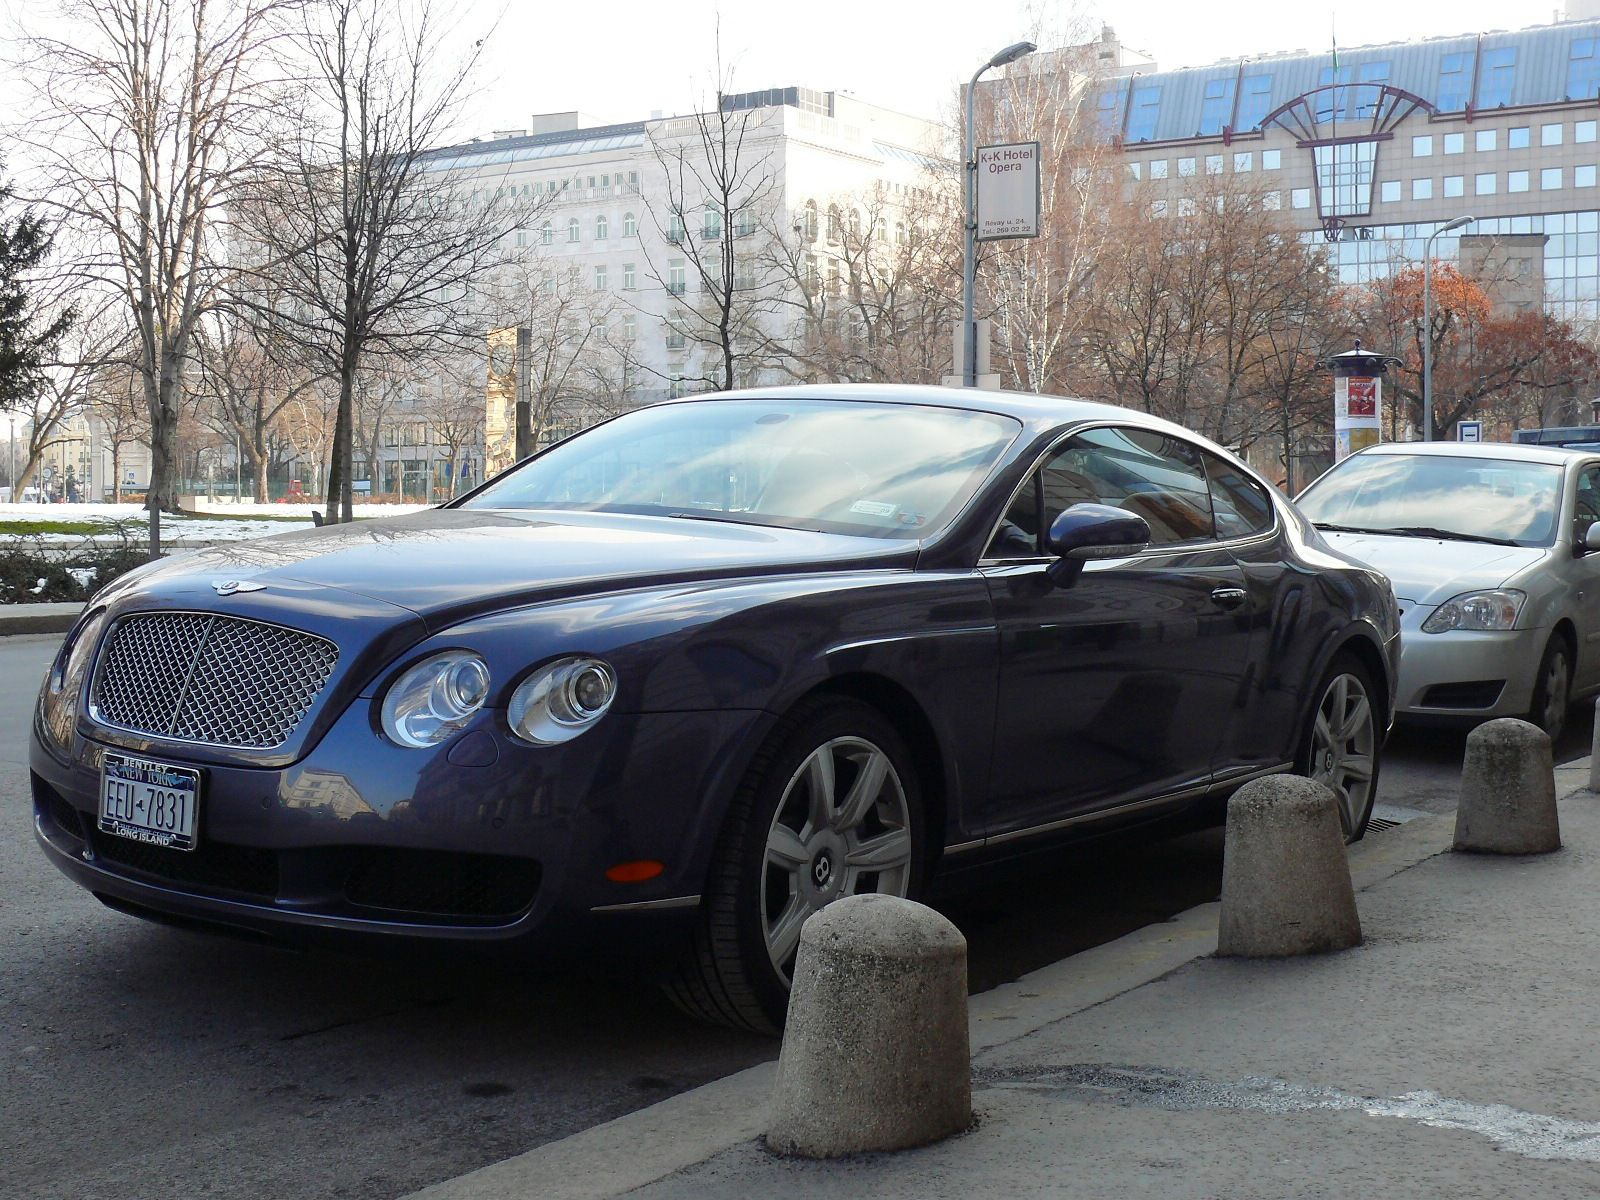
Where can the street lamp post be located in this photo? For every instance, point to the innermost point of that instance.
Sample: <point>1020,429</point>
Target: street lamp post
<point>1427,324</point>
<point>969,262</point>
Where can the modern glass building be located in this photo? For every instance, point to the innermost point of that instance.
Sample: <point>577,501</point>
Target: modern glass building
<point>1374,148</point>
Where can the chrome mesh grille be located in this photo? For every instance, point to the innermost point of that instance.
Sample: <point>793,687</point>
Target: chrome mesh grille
<point>207,678</point>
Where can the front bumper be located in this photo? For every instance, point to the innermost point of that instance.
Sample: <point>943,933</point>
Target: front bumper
<point>1466,674</point>
<point>484,841</point>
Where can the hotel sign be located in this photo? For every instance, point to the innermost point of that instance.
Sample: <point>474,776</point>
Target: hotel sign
<point>1008,191</point>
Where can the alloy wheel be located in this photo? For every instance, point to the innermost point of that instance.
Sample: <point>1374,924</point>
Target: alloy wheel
<point>841,828</point>
<point>1557,684</point>
<point>1343,743</point>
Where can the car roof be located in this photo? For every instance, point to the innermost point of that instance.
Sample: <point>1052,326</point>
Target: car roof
<point>1031,408</point>
<point>1512,451</point>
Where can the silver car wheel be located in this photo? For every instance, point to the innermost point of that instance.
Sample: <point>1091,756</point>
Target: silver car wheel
<point>1344,739</point>
<point>842,828</point>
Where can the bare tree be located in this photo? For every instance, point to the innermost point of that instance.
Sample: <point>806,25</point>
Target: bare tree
<point>721,176</point>
<point>118,404</point>
<point>366,251</point>
<point>243,388</point>
<point>150,112</point>
<point>872,294</point>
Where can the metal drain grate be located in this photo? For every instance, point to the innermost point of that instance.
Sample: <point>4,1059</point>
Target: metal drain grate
<point>1379,824</point>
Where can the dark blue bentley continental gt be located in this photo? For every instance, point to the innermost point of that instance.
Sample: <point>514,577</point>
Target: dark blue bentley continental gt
<point>693,674</point>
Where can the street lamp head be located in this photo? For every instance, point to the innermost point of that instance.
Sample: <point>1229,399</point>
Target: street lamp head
<point>1011,53</point>
<point>1457,223</point>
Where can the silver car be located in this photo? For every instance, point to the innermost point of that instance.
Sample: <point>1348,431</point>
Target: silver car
<point>1494,553</point>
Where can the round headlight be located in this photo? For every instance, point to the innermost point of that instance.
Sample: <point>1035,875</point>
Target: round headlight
<point>561,699</point>
<point>435,699</point>
<point>59,698</point>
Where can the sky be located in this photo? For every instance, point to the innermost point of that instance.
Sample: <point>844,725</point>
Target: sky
<point>622,59</point>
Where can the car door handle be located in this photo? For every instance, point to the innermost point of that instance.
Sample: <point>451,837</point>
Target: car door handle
<point>1229,597</point>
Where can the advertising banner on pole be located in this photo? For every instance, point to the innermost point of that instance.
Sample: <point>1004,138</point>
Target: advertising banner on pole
<point>1008,191</point>
<point>1357,414</point>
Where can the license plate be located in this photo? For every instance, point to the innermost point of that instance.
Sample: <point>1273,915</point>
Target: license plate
<point>151,802</point>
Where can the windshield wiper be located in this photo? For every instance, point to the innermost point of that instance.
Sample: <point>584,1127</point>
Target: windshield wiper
<point>1346,528</point>
<point>1449,535</point>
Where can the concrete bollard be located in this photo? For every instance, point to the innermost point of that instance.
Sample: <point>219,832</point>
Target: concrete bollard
<point>1594,752</point>
<point>1508,791</point>
<point>1285,880</point>
<point>875,1053</point>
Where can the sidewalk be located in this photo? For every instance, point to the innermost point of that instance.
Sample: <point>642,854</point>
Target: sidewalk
<point>37,618</point>
<point>1452,1055</point>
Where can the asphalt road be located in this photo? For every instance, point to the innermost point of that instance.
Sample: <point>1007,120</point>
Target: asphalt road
<point>148,1062</point>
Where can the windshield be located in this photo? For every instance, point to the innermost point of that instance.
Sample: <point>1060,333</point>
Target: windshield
<point>1482,499</point>
<point>880,470</point>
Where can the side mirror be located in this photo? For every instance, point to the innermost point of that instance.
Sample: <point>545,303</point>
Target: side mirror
<point>1089,531</point>
<point>1591,539</point>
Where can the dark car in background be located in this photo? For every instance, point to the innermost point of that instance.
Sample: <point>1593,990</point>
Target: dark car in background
<point>689,676</point>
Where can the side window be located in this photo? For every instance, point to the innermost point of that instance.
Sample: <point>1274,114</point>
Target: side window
<point>1159,477</point>
<point>1587,510</point>
<point>1018,535</point>
<point>1241,504</point>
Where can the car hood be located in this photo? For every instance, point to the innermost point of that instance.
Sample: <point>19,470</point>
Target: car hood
<point>1430,570</point>
<point>448,564</point>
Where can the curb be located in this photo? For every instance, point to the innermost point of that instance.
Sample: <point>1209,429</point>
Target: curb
<point>38,618</point>
<point>652,1143</point>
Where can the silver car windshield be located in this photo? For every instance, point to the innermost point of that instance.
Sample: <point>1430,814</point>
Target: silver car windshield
<point>1435,495</point>
<point>878,470</point>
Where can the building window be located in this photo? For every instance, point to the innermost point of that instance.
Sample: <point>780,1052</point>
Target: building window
<point>1255,101</point>
<point>600,278</point>
<point>1550,135</point>
<point>1455,82</point>
<point>808,221</point>
<point>1300,198</point>
<point>1158,167</point>
<point>1271,201</point>
<point>630,278</point>
<point>1483,185</point>
<point>633,181</point>
<point>522,237</point>
<point>1550,179</point>
<point>1185,168</point>
<point>1583,131</point>
<point>574,230</point>
<point>1455,143</point>
<point>1422,147</point>
<point>675,227</point>
<point>1216,106</point>
<point>1271,160</point>
<point>630,327</point>
<point>1455,185</point>
<point>1344,178</point>
<point>1142,115</point>
<point>600,227</point>
<point>1244,162</point>
<point>1583,176</point>
<point>1389,191</point>
<point>1516,181</point>
<point>1516,138</point>
<point>1108,105</point>
<point>1583,69</point>
<point>711,224</point>
<point>675,276</point>
<point>1158,208</point>
<point>1213,164</point>
<point>630,225</point>
<point>1186,206</point>
<point>1422,189</point>
<point>676,339</point>
<point>1498,81</point>
<point>1135,171</point>
<point>546,233</point>
<point>1484,139</point>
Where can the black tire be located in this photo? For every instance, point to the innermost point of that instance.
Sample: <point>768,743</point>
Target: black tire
<point>1355,810</point>
<point>1549,712</point>
<point>727,976</point>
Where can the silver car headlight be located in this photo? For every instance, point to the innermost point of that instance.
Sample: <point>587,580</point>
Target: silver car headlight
<point>1494,609</point>
<point>561,699</point>
<point>435,699</point>
<point>58,699</point>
